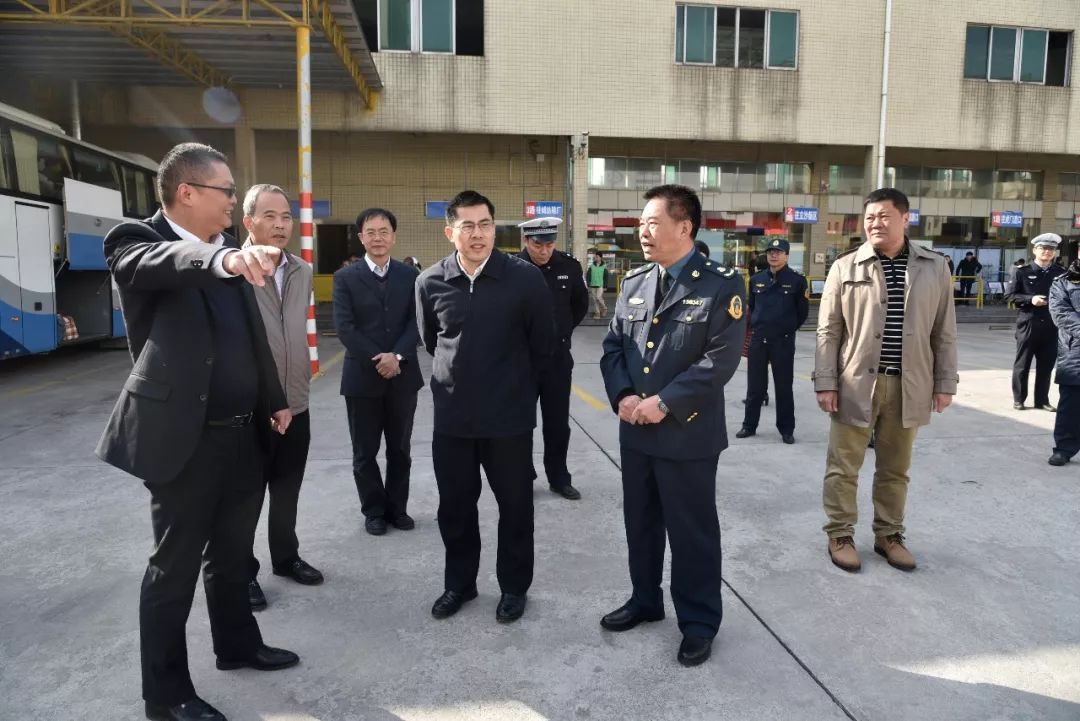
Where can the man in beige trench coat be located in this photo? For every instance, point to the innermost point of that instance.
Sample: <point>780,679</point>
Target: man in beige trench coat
<point>886,356</point>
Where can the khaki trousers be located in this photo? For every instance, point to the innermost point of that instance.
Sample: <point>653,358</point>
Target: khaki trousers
<point>599,306</point>
<point>847,449</point>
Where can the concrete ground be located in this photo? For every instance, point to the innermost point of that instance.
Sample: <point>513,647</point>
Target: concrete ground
<point>986,628</point>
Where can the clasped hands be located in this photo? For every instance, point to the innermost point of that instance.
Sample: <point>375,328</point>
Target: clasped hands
<point>641,411</point>
<point>387,365</point>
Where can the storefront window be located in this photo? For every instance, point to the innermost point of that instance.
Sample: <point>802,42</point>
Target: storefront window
<point>1018,185</point>
<point>846,179</point>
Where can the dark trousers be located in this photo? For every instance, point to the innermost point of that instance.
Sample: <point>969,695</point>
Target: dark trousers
<point>679,496</point>
<point>778,352</point>
<point>371,418</point>
<point>554,392</point>
<point>207,514</point>
<point>507,463</point>
<point>965,288</point>
<point>1067,422</point>
<point>1034,340</point>
<point>283,473</point>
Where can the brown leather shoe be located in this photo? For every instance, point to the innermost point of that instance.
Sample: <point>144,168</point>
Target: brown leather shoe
<point>843,554</point>
<point>895,552</point>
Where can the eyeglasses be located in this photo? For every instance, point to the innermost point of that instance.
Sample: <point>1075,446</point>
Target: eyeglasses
<point>230,191</point>
<point>468,227</point>
<point>380,234</point>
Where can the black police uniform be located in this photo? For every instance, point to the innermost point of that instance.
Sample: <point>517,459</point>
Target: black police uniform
<point>490,337</point>
<point>684,349</point>
<point>571,302</point>
<point>778,306</point>
<point>1036,336</point>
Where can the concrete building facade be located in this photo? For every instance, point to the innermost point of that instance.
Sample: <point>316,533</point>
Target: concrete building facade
<point>772,111</point>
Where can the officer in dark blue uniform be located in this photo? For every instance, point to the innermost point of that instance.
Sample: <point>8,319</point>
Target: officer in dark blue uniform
<point>566,282</point>
<point>1036,335</point>
<point>779,300</point>
<point>674,342</point>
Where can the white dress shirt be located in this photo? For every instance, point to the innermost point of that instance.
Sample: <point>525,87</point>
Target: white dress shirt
<point>216,265</point>
<point>379,270</point>
<point>479,269</point>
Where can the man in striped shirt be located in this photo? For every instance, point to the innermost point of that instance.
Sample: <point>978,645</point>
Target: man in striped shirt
<point>886,356</point>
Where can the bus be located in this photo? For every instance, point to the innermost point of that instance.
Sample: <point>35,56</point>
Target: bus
<point>58,198</point>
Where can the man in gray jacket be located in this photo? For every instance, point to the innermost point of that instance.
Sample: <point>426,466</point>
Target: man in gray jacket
<point>283,305</point>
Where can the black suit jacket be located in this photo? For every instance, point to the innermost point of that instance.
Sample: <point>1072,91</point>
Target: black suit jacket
<point>160,414</point>
<point>369,324</point>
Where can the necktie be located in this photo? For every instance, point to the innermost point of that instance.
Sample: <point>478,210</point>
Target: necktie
<point>662,287</point>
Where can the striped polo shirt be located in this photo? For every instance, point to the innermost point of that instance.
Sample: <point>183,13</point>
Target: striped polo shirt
<point>892,341</point>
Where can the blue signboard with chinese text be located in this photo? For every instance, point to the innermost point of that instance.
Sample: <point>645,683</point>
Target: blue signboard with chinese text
<point>1007,219</point>
<point>801,215</point>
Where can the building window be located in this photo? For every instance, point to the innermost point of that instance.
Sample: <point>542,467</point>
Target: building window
<point>846,180</point>
<point>1023,55</point>
<point>1069,187</point>
<point>736,37</point>
<point>417,26</point>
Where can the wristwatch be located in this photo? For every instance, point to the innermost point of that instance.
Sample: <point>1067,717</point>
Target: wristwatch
<point>400,358</point>
<point>663,407</point>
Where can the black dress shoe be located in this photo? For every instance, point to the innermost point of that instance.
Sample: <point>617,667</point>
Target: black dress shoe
<point>255,596</point>
<point>265,658</point>
<point>568,492</point>
<point>789,438</point>
<point>376,525</point>
<point>1046,407</point>
<point>694,650</point>
<point>1018,406</point>
<point>194,710</point>
<point>745,432</point>
<point>627,616</point>
<point>510,608</point>
<point>1058,459</point>
<point>301,572</point>
<point>402,522</point>
<point>451,602</point>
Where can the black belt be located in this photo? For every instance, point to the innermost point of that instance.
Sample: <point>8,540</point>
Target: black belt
<point>232,421</point>
<point>888,371</point>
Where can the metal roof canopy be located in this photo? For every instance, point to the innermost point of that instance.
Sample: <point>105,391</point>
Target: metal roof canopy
<point>227,43</point>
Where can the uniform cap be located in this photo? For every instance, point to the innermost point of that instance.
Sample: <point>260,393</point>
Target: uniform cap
<point>543,229</point>
<point>1051,239</point>
<point>778,244</point>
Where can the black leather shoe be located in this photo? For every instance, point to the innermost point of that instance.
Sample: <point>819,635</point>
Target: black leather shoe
<point>568,492</point>
<point>301,572</point>
<point>1058,459</point>
<point>194,710</point>
<point>1018,406</point>
<point>510,608</point>
<point>450,603</point>
<point>789,439</point>
<point>745,432</point>
<point>1046,407</point>
<point>376,526</point>
<point>694,650</point>
<point>265,658</point>
<point>625,617</point>
<point>402,522</point>
<point>255,596</point>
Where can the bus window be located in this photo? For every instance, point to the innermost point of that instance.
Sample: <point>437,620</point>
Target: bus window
<point>7,161</point>
<point>151,192</point>
<point>135,194</point>
<point>96,169</point>
<point>26,162</point>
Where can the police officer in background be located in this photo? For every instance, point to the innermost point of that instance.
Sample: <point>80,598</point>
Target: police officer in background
<point>673,344</point>
<point>1036,335</point>
<point>571,302</point>
<point>779,300</point>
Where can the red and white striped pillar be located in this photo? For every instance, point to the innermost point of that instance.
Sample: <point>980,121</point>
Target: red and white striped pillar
<point>307,220</point>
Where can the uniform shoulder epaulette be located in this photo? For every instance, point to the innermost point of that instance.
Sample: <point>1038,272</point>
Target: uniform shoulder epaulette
<point>639,270</point>
<point>721,270</point>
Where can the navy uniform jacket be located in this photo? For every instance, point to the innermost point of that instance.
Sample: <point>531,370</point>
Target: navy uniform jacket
<point>1031,280</point>
<point>778,304</point>
<point>567,285</point>
<point>685,351</point>
<point>370,320</point>
<point>490,340</point>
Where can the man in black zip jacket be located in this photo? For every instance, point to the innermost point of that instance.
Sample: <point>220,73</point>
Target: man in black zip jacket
<point>486,317</point>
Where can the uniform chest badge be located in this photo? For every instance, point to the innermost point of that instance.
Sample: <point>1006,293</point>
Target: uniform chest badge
<point>760,285</point>
<point>636,301</point>
<point>693,301</point>
<point>562,277</point>
<point>734,308</point>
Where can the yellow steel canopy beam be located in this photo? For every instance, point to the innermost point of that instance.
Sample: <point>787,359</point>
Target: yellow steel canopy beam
<point>141,22</point>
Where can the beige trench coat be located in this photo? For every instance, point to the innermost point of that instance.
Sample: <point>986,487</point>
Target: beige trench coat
<point>851,322</point>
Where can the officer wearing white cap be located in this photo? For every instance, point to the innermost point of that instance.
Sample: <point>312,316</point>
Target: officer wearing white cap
<point>1036,335</point>
<point>570,298</point>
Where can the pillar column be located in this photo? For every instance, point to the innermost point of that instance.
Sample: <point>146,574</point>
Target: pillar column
<point>579,191</point>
